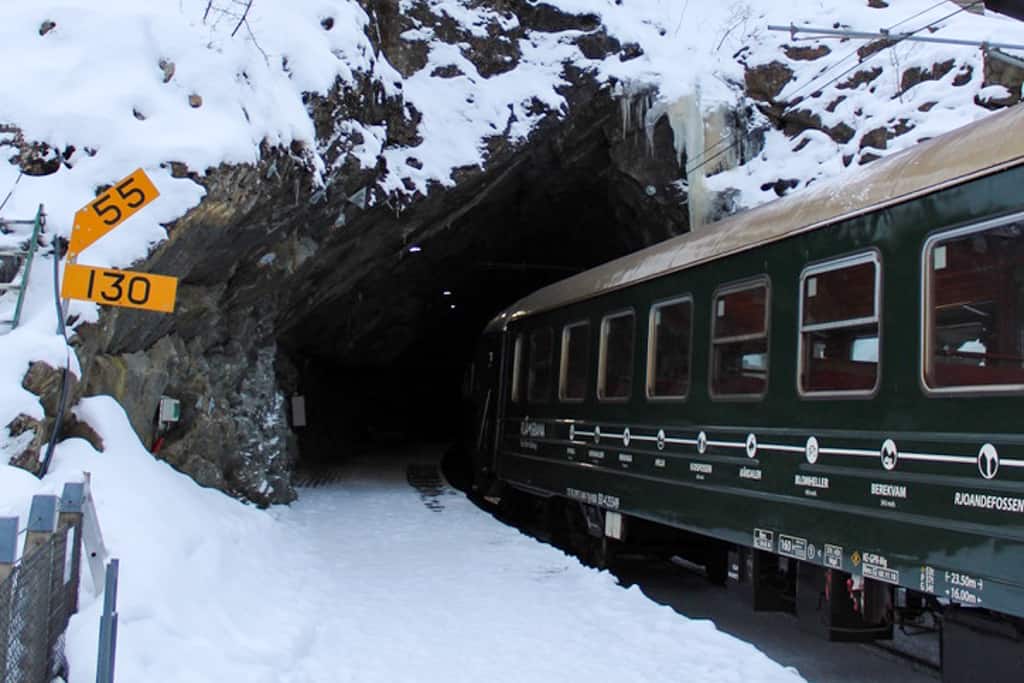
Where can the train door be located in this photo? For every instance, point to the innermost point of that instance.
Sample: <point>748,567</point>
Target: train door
<point>484,380</point>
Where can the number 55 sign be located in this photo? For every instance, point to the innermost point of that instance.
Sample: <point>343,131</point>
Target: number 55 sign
<point>110,209</point>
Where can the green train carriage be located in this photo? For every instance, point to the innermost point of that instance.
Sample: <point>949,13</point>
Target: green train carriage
<point>835,378</point>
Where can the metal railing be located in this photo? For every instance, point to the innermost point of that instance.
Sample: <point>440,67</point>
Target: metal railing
<point>39,592</point>
<point>17,255</point>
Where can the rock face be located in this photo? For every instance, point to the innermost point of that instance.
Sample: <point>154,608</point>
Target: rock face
<point>275,267</point>
<point>30,435</point>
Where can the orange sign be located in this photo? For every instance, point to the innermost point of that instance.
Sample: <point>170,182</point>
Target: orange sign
<point>110,209</point>
<point>120,287</point>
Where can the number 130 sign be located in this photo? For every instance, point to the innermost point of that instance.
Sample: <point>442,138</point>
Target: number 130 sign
<point>110,209</point>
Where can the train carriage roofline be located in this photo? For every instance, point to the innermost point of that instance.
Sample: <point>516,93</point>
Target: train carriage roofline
<point>988,146</point>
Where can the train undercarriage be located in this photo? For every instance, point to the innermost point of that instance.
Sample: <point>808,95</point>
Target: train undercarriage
<point>975,644</point>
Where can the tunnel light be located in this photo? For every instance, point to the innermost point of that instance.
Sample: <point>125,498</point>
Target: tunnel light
<point>415,249</point>
<point>447,292</point>
<point>452,307</point>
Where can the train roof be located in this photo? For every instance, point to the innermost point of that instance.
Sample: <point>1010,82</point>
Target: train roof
<point>995,142</point>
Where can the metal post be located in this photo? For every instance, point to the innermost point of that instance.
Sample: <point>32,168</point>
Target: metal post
<point>72,504</point>
<point>108,627</point>
<point>8,547</point>
<point>92,538</point>
<point>42,521</point>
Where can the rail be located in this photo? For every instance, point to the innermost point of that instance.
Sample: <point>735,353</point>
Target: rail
<point>22,255</point>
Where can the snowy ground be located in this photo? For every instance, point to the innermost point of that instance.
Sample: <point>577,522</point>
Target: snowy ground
<point>360,581</point>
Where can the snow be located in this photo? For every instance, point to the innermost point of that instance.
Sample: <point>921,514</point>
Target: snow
<point>358,581</point>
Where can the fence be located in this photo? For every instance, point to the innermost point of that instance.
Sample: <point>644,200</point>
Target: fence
<point>39,593</point>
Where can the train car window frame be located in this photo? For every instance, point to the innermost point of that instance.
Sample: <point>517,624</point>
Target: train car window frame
<point>515,395</point>
<point>602,356</point>
<point>563,365</point>
<point>650,378</point>
<point>731,288</point>
<point>541,397</point>
<point>925,304</point>
<point>874,257</point>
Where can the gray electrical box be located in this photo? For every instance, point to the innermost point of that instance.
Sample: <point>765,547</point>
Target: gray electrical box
<point>170,409</point>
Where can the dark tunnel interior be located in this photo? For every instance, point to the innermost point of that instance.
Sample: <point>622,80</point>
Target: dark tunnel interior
<point>402,381</point>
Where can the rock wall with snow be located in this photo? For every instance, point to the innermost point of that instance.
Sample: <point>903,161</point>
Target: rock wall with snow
<point>301,154</point>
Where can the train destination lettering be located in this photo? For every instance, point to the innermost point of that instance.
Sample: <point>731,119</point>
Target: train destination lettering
<point>888,490</point>
<point>532,429</point>
<point>596,455</point>
<point>599,499</point>
<point>984,501</point>
<point>701,467</point>
<point>809,481</point>
<point>750,473</point>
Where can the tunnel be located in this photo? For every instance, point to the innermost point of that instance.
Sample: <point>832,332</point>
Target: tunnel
<point>383,363</point>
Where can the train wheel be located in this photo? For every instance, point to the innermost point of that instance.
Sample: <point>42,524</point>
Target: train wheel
<point>716,563</point>
<point>602,553</point>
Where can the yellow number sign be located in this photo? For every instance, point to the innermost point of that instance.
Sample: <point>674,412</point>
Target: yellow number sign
<point>110,209</point>
<point>120,287</point>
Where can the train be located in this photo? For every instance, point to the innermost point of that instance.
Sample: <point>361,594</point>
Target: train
<point>820,399</point>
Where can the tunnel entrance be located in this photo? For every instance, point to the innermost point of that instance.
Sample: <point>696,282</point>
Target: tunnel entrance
<point>385,364</point>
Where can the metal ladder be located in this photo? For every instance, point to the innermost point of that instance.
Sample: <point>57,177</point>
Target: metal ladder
<point>22,254</point>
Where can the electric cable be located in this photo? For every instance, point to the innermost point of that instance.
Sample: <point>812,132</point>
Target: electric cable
<point>896,41</point>
<point>66,370</point>
<point>11,191</point>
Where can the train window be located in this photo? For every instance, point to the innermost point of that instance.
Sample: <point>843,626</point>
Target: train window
<point>517,369</point>
<point>668,354</point>
<point>839,308</point>
<point>538,383</point>
<point>739,341</point>
<point>615,374</point>
<point>974,312</point>
<point>572,379</point>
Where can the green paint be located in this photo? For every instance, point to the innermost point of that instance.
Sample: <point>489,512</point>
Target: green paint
<point>903,525</point>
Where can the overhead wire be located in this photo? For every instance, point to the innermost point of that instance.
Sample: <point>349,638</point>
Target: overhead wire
<point>737,141</point>
<point>895,41</point>
<point>10,192</point>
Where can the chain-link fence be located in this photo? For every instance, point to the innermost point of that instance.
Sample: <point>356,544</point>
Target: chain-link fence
<point>36,602</point>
